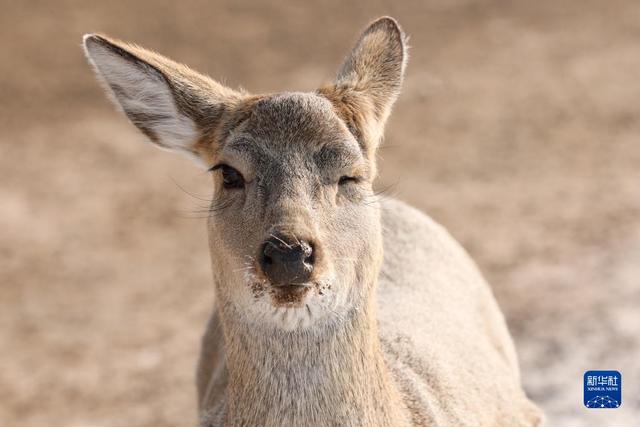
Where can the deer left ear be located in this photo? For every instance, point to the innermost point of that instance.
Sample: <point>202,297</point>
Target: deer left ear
<point>171,104</point>
<point>370,80</point>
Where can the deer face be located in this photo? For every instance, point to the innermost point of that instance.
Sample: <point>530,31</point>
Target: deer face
<point>294,229</point>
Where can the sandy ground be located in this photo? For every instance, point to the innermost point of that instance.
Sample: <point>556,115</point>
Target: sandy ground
<point>518,129</point>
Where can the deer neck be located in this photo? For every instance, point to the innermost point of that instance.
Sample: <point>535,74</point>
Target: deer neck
<point>334,376</point>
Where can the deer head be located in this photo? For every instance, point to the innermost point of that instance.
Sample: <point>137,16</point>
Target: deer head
<point>294,228</point>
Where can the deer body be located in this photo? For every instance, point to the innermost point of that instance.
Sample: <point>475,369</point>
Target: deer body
<point>332,307</point>
<point>430,363</point>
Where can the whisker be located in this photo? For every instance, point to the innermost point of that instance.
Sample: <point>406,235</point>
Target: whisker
<point>345,259</point>
<point>245,268</point>
<point>288,246</point>
<point>187,192</point>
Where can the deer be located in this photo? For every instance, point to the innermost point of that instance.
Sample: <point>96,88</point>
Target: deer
<point>334,306</point>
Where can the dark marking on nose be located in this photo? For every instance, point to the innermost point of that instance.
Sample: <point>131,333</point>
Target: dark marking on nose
<point>287,261</point>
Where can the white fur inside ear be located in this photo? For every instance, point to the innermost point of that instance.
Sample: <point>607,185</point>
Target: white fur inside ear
<point>144,96</point>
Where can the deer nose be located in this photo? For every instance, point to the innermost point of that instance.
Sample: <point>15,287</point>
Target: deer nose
<point>287,261</point>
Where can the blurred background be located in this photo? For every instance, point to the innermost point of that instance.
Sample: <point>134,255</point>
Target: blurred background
<point>518,129</point>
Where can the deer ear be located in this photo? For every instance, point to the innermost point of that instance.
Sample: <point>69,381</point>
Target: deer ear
<point>370,79</point>
<point>171,104</point>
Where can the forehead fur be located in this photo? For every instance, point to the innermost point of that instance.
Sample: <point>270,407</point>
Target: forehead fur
<point>295,118</point>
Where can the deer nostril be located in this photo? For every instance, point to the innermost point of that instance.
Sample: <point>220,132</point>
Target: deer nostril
<point>309,259</point>
<point>308,252</point>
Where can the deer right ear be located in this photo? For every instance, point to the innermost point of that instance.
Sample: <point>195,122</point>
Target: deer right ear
<point>171,104</point>
<point>369,81</point>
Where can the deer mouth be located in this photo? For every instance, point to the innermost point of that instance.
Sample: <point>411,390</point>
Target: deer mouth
<point>289,295</point>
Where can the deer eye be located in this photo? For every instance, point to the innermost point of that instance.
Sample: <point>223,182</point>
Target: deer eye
<point>347,179</point>
<point>231,178</point>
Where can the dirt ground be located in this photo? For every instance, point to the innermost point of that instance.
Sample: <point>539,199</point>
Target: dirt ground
<point>518,129</point>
